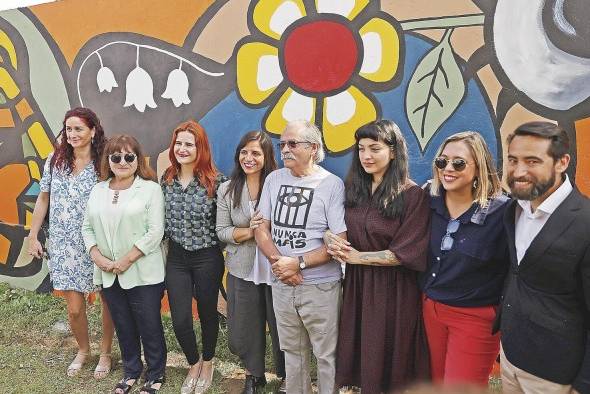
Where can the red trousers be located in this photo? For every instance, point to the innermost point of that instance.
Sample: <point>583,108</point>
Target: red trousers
<point>462,347</point>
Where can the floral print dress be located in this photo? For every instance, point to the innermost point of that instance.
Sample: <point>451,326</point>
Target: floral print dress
<point>70,267</point>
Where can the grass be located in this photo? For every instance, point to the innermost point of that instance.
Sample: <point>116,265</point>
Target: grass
<point>34,355</point>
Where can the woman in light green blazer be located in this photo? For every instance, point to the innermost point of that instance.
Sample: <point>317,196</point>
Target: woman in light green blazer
<point>123,228</point>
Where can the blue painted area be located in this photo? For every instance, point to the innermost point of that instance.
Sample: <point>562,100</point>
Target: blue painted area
<point>34,190</point>
<point>227,122</point>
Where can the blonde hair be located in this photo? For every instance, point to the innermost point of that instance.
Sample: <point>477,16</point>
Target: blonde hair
<point>488,182</point>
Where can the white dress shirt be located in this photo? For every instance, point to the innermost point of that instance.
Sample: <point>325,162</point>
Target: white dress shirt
<point>528,224</point>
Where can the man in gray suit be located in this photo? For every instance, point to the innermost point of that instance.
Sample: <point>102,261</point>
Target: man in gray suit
<point>299,203</point>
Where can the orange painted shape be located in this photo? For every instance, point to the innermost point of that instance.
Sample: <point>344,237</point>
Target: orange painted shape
<point>153,18</point>
<point>6,119</point>
<point>4,249</point>
<point>24,109</point>
<point>583,155</point>
<point>14,178</point>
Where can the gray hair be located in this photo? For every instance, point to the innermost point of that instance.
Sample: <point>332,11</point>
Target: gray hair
<point>311,133</point>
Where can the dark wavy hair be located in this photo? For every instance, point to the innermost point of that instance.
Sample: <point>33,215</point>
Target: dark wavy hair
<point>238,177</point>
<point>388,196</point>
<point>63,156</point>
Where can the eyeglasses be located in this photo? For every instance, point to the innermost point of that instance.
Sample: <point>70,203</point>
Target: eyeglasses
<point>447,240</point>
<point>128,157</point>
<point>442,162</point>
<point>292,144</point>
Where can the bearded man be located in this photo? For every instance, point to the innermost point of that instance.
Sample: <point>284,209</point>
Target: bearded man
<point>546,303</point>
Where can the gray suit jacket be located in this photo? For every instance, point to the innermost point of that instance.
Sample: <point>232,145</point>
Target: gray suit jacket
<point>240,257</point>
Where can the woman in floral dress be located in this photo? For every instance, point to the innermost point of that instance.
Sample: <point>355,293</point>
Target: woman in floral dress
<point>68,177</point>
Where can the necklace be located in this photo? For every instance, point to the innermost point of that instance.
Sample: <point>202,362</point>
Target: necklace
<point>116,197</point>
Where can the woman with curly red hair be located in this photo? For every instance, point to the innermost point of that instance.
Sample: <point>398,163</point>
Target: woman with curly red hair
<point>68,177</point>
<point>194,258</point>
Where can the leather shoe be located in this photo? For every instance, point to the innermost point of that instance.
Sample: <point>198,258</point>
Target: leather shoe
<point>254,384</point>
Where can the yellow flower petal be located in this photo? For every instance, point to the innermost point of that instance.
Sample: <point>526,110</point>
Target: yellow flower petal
<point>291,106</point>
<point>347,8</point>
<point>343,114</point>
<point>380,50</point>
<point>272,17</point>
<point>258,71</point>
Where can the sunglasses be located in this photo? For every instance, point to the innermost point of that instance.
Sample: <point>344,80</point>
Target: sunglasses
<point>292,144</point>
<point>447,240</point>
<point>117,157</point>
<point>442,162</point>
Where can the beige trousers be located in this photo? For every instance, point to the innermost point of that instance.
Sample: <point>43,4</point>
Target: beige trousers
<point>517,381</point>
<point>307,319</point>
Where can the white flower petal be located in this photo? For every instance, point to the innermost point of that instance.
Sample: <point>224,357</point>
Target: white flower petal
<point>105,79</point>
<point>340,108</point>
<point>177,88</point>
<point>347,8</point>
<point>284,16</point>
<point>341,7</point>
<point>298,106</point>
<point>269,73</point>
<point>372,52</point>
<point>139,90</point>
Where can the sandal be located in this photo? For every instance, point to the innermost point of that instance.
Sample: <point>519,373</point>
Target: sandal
<point>76,365</point>
<point>102,370</point>
<point>204,382</point>
<point>123,387</point>
<point>189,384</point>
<point>148,386</point>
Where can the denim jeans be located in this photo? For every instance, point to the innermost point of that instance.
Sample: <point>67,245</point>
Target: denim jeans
<point>307,319</point>
<point>137,319</point>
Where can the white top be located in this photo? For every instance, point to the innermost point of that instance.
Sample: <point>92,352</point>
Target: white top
<point>528,224</point>
<point>261,272</point>
<point>113,211</point>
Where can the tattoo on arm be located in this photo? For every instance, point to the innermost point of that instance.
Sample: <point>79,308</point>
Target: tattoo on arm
<point>380,258</point>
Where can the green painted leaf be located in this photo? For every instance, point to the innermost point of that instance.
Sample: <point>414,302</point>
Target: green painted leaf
<point>435,90</point>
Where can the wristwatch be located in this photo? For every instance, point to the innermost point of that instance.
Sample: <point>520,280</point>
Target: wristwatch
<point>302,264</point>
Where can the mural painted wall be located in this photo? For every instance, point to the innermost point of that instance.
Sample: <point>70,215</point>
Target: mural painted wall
<point>238,65</point>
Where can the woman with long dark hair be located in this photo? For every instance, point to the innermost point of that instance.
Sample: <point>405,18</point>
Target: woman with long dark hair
<point>249,292</point>
<point>195,262</point>
<point>123,229</point>
<point>468,261</point>
<point>69,175</point>
<point>381,341</point>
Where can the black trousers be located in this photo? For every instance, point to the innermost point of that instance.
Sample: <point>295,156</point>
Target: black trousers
<point>137,319</point>
<point>249,309</point>
<point>200,273</point>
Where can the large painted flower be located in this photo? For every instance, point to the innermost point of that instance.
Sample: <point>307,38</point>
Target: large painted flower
<point>318,64</point>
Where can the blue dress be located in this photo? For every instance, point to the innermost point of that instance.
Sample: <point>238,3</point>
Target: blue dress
<point>70,267</point>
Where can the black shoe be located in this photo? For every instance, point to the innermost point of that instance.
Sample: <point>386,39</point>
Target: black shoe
<point>254,384</point>
<point>283,387</point>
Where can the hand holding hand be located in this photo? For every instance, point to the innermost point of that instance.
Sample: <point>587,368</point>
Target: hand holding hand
<point>104,264</point>
<point>121,265</point>
<point>294,280</point>
<point>284,267</point>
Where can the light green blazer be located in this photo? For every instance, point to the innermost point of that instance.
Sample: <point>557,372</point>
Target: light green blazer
<point>141,224</point>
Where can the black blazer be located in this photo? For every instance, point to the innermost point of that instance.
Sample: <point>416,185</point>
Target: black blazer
<point>545,307</point>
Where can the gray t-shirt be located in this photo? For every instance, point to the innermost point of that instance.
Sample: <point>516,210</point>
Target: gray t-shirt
<point>300,210</point>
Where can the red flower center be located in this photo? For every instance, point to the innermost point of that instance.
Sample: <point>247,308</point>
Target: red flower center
<point>320,56</point>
